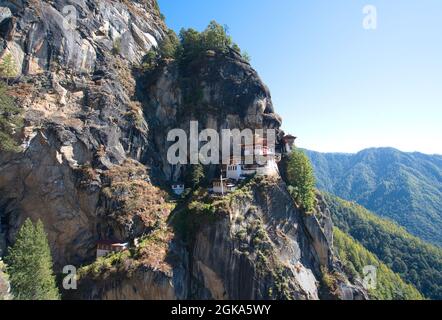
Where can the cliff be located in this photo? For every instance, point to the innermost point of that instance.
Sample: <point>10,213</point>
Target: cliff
<point>251,244</point>
<point>78,97</point>
<point>4,283</point>
<point>94,166</point>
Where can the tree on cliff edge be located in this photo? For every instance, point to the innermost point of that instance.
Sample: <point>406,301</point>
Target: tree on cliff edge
<point>301,180</point>
<point>10,121</point>
<point>195,176</point>
<point>8,69</point>
<point>10,114</point>
<point>30,265</point>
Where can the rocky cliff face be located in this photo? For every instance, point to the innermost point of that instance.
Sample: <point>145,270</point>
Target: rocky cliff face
<point>4,283</point>
<point>77,91</point>
<point>262,243</point>
<point>219,90</point>
<point>94,162</point>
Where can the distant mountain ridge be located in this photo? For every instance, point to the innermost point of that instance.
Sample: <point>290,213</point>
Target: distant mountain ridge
<point>405,187</point>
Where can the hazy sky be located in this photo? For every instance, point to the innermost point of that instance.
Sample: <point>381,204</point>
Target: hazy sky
<point>338,86</point>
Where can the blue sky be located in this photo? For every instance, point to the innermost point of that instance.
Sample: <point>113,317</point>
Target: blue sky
<point>339,87</point>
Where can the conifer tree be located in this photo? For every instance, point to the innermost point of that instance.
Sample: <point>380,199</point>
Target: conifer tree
<point>10,120</point>
<point>30,265</point>
<point>301,180</point>
<point>195,175</point>
<point>7,67</point>
<point>215,37</point>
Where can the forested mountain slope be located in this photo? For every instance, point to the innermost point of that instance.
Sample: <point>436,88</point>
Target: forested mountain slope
<point>405,187</point>
<point>414,260</point>
<point>388,284</point>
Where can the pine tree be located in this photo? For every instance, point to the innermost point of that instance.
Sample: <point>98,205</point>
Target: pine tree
<point>195,176</point>
<point>10,120</point>
<point>301,180</point>
<point>30,265</point>
<point>215,37</point>
<point>191,43</point>
<point>8,68</point>
<point>169,46</point>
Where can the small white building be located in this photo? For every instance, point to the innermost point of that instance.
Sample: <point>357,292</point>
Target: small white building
<point>269,170</point>
<point>178,188</point>
<point>223,186</point>
<point>104,247</point>
<point>240,171</point>
<point>289,143</point>
<point>234,172</point>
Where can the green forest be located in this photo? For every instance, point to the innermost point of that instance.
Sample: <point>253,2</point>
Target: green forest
<point>190,44</point>
<point>417,262</point>
<point>354,257</point>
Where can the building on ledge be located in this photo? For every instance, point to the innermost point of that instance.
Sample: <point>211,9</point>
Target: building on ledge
<point>288,143</point>
<point>104,247</point>
<point>223,186</point>
<point>239,167</point>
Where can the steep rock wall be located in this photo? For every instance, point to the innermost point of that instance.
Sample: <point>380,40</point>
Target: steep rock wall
<point>220,91</point>
<point>75,84</point>
<point>90,123</point>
